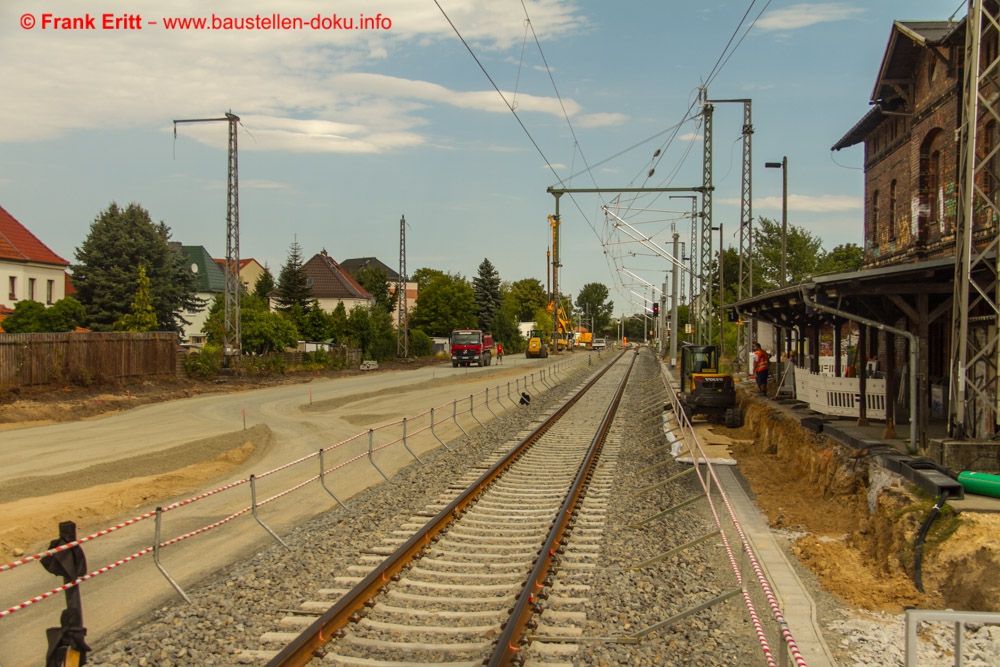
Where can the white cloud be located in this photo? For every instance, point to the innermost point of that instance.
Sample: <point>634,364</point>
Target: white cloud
<point>554,166</point>
<point>303,91</point>
<point>804,15</point>
<point>690,136</point>
<point>600,119</point>
<point>808,203</point>
<point>262,184</point>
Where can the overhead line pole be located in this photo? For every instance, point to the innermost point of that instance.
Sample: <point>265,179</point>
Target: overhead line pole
<point>232,349</point>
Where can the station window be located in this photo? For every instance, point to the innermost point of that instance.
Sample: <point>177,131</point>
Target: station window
<point>13,288</point>
<point>31,289</point>
<point>50,286</point>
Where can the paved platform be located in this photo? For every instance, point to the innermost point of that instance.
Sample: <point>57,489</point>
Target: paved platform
<point>794,600</point>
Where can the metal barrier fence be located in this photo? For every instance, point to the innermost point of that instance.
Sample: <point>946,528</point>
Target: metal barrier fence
<point>776,640</point>
<point>502,398</point>
<point>959,618</point>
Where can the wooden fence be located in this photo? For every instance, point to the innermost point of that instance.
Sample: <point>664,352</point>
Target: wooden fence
<point>84,358</point>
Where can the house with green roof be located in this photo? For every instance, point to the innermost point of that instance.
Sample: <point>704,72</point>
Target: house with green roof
<point>211,281</point>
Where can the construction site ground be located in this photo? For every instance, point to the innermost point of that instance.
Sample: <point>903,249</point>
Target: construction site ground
<point>812,490</point>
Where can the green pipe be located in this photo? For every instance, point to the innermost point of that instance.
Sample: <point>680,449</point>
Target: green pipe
<point>981,483</point>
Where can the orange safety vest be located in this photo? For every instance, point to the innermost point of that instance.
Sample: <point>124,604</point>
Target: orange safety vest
<point>762,362</point>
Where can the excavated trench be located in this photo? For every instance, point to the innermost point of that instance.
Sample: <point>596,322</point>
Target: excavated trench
<point>854,524</point>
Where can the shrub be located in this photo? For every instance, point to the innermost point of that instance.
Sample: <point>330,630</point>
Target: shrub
<point>204,364</point>
<point>421,344</point>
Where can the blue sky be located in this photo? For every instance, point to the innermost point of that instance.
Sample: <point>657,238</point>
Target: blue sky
<point>345,131</point>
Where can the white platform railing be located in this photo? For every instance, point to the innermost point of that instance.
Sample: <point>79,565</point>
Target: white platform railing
<point>840,396</point>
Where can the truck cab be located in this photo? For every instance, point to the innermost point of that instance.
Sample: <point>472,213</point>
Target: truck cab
<point>471,346</point>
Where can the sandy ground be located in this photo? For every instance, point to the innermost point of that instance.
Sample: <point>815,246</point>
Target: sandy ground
<point>98,496</point>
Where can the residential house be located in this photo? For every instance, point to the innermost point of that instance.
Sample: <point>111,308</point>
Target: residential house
<point>250,271</point>
<point>354,264</point>
<point>330,284</point>
<point>211,281</point>
<point>28,268</point>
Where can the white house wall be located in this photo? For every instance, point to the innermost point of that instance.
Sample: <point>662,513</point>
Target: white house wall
<point>197,318</point>
<point>23,273</point>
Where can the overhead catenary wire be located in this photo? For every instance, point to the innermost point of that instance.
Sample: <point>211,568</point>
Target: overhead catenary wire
<point>732,45</point>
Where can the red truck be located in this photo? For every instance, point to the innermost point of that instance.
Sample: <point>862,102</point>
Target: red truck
<point>471,346</point>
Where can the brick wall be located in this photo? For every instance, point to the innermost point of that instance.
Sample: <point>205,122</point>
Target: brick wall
<point>911,170</point>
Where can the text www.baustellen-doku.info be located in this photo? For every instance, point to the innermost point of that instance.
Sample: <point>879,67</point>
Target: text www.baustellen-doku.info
<point>276,21</point>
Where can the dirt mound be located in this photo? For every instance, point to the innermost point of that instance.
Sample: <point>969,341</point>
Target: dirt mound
<point>809,483</point>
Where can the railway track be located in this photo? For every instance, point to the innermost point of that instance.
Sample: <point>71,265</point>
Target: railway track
<point>461,588</point>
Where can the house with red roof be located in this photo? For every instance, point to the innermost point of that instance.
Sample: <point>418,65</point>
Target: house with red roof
<point>28,268</point>
<point>250,271</point>
<point>330,284</point>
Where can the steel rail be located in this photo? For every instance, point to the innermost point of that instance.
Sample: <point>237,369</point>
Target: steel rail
<point>513,635</point>
<point>351,606</point>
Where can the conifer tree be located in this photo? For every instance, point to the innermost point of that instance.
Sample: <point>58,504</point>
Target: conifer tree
<point>293,286</point>
<point>486,290</point>
<point>141,317</point>
<point>108,261</point>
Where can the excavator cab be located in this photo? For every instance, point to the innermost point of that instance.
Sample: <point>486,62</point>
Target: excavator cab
<point>704,388</point>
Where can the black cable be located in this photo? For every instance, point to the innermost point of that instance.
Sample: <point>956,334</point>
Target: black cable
<point>918,547</point>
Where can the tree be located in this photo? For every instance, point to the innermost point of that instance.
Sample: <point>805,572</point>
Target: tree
<point>802,253</point>
<point>264,284</point>
<point>543,323</point>
<point>141,317</point>
<point>526,296</point>
<point>293,283</point>
<point>338,323</point>
<point>107,268</point>
<point>842,259</point>
<point>592,301</point>
<point>261,331</point>
<point>423,277</point>
<point>505,329</point>
<point>375,281</point>
<point>317,325</point>
<point>444,304</point>
<point>486,290</point>
<point>370,328</point>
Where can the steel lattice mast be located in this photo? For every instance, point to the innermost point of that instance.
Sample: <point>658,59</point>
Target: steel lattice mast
<point>703,333</point>
<point>976,297</point>
<point>402,319</point>
<point>232,348</point>
<point>745,289</point>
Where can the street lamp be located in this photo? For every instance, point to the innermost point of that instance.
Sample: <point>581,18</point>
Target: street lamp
<point>783,165</point>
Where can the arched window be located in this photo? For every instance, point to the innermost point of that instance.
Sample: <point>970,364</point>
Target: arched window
<point>928,184</point>
<point>934,218</point>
